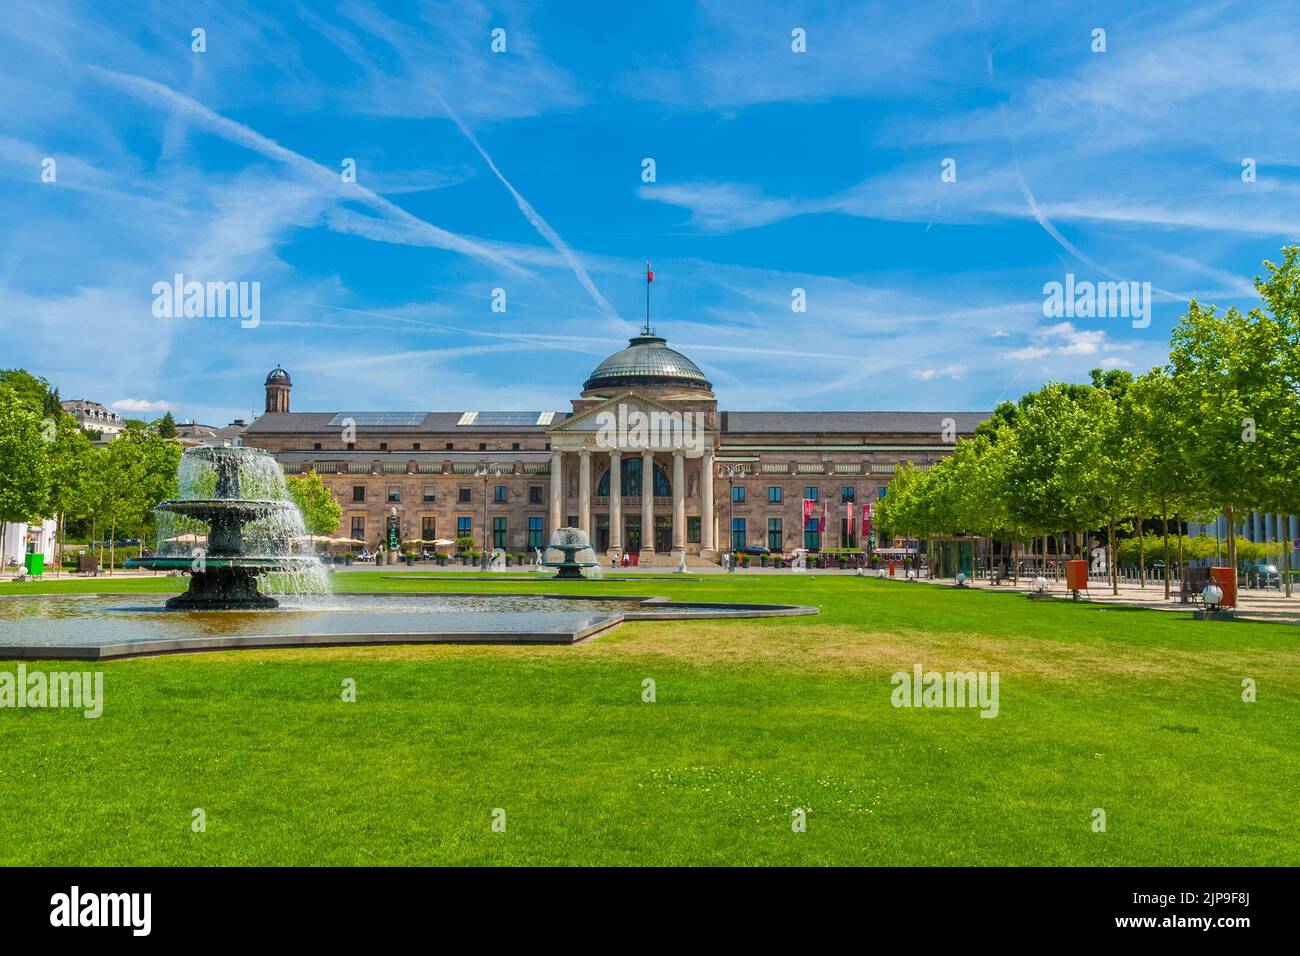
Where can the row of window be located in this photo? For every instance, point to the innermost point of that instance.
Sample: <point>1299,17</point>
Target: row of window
<point>464,529</point>
<point>774,493</point>
<point>415,446</point>
<point>500,494</point>
<point>812,538</point>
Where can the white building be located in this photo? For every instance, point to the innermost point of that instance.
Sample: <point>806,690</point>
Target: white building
<point>93,416</point>
<point>21,539</point>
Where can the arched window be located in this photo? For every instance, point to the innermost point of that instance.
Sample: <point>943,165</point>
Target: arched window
<point>631,480</point>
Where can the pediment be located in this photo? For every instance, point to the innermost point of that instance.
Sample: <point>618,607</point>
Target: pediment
<point>633,422</point>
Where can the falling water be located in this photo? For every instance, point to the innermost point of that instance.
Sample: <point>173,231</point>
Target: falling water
<point>274,529</point>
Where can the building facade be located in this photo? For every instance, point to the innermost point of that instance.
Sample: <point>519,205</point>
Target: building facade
<point>643,461</point>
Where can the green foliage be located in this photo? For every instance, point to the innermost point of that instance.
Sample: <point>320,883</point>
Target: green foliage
<point>320,511</point>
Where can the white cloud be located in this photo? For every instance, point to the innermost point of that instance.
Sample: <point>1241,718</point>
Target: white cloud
<point>141,405</point>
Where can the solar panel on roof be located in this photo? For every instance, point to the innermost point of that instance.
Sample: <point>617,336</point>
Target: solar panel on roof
<point>502,418</point>
<point>377,418</point>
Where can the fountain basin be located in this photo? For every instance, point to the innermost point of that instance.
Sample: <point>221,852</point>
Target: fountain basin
<point>102,627</point>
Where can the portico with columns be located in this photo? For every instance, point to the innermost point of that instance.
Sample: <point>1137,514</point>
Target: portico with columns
<point>645,490</point>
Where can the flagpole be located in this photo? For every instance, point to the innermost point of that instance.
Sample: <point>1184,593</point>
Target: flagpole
<point>647,297</point>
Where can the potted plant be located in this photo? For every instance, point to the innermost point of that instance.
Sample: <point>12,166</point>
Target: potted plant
<point>441,558</point>
<point>349,557</point>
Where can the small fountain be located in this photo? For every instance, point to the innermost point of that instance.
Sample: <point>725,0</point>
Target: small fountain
<point>570,542</point>
<point>236,499</point>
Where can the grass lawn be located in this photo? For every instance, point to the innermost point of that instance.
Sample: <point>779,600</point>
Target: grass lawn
<point>1135,712</point>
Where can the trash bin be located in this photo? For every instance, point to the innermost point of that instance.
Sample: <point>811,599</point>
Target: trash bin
<point>35,564</point>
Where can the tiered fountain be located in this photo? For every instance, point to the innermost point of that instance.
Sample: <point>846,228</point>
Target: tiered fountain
<point>571,542</point>
<point>245,536</point>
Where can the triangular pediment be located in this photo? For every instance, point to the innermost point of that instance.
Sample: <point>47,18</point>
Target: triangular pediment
<point>633,422</point>
<point>592,419</point>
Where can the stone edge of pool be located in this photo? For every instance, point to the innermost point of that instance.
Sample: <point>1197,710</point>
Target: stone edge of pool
<point>651,609</point>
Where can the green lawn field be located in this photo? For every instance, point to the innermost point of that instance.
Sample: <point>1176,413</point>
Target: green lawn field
<point>1136,713</point>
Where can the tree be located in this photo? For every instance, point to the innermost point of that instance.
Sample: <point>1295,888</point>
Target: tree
<point>30,390</point>
<point>135,471</point>
<point>320,512</point>
<point>71,474</point>
<point>24,463</point>
<point>165,426</point>
<point>1230,374</point>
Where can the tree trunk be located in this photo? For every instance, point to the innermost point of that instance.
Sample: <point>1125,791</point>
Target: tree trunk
<point>1164,519</point>
<point>1110,558</point>
<point>58,551</point>
<point>112,547</point>
<point>1232,539</point>
<point>1182,567</point>
<point>4,530</point>
<point>1142,556</point>
<point>1015,562</point>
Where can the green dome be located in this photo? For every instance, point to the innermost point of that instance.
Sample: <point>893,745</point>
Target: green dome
<point>647,361</point>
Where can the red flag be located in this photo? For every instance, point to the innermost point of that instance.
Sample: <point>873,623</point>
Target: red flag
<point>821,525</point>
<point>649,276</point>
<point>809,506</point>
<point>866,523</point>
<point>849,524</point>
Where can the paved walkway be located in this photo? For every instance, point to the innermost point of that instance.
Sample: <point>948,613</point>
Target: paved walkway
<point>1254,605</point>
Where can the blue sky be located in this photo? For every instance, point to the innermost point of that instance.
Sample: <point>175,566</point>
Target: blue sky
<point>775,170</point>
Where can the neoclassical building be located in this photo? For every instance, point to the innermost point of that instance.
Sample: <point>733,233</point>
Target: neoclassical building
<point>643,461</point>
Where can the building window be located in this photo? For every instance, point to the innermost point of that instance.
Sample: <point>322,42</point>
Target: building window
<point>352,446</point>
<point>499,532</point>
<point>449,446</point>
<point>738,493</point>
<point>810,492</point>
<point>630,482</point>
<point>573,521</point>
<point>514,446</point>
<point>812,538</point>
<point>463,495</point>
<point>535,531</point>
<point>499,494</point>
<point>534,494</point>
<point>359,528</point>
<point>428,528</point>
<point>464,526</point>
<point>693,530</point>
<point>737,533</point>
<point>315,446</point>
<point>774,494</point>
<point>482,446</point>
<point>415,446</point>
<point>774,535</point>
<point>394,494</point>
<point>848,493</point>
<point>880,492</point>
<point>358,493</point>
<point>383,446</point>
<point>430,493</point>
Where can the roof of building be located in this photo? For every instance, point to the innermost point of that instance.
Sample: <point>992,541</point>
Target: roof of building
<point>94,409</point>
<point>647,361</point>
<point>879,423</point>
<point>278,376</point>
<point>411,423</point>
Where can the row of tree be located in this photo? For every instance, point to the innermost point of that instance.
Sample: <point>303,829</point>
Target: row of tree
<point>1216,431</point>
<point>49,467</point>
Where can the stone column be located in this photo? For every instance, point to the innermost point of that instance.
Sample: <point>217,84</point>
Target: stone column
<point>679,501</point>
<point>647,502</point>
<point>557,493</point>
<point>706,501</point>
<point>615,501</point>
<point>584,491</point>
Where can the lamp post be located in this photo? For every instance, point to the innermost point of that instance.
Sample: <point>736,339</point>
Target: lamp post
<point>731,473</point>
<point>482,471</point>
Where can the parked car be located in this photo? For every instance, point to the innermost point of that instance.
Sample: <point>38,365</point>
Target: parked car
<point>756,549</point>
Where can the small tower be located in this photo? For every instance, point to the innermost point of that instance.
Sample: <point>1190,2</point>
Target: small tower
<point>277,390</point>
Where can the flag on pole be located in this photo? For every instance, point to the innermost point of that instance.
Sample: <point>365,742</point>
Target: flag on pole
<point>821,525</point>
<point>809,508</point>
<point>649,275</point>
<point>866,523</point>
<point>849,524</point>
